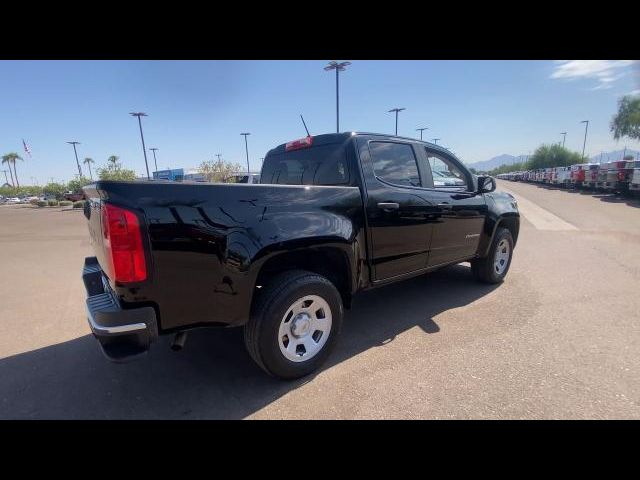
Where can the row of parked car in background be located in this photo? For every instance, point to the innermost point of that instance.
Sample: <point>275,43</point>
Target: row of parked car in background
<point>622,176</point>
<point>71,196</point>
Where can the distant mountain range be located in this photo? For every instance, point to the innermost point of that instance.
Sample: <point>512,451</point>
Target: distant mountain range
<point>506,159</point>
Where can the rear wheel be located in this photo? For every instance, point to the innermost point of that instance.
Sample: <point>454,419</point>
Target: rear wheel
<point>494,267</point>
<point>294,324</point>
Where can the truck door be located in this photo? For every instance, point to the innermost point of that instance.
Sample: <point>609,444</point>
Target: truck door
<point>458,212</point>
<point>397,211</point>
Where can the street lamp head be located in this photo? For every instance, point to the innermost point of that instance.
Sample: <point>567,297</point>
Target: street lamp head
<point>246,133</point>
<point>138,114</point>
<point>73,143</point>
<point>333,65</point>
<point>396,109</point>
<point>421,129</point>
<point>584,121</point>
<point>154,148</point>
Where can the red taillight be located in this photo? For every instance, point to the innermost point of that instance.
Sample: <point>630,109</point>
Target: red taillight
<point>298,144</point>
<point>620,175</point>
<point>123,245</point>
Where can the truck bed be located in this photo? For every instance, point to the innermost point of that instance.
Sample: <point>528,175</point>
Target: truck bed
<point>205,243</point>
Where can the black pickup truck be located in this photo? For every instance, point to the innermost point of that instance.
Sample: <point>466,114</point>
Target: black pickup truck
<point>333,215</point>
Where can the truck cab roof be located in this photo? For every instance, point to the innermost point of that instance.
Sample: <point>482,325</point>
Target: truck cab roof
<point>332,138</point>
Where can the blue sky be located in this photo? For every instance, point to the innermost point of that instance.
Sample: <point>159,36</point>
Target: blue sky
<point>197,109</point>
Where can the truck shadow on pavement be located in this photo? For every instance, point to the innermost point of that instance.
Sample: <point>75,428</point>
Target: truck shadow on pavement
<point>213,377</point>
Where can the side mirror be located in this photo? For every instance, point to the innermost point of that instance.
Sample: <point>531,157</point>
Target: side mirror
<point>486,184</point>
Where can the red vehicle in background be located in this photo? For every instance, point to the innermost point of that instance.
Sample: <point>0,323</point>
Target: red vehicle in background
<point>576,178</point>
<point>73,196</point>
<point>590,175</point>
<point>617,176</point>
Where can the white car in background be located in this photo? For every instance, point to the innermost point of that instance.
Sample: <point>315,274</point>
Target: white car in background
<point>13,201</point>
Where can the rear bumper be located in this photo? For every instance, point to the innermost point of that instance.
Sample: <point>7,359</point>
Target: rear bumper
<point>123,334</point>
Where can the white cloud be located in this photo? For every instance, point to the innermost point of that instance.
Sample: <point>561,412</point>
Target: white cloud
<point>604,72</point>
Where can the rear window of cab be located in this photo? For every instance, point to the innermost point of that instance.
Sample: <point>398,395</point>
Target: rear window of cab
<point>319,165</point>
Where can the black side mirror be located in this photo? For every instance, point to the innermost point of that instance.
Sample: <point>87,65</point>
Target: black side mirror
<point>486,184</point>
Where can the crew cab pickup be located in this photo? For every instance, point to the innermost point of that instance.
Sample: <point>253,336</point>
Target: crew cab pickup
<point>333,215</point>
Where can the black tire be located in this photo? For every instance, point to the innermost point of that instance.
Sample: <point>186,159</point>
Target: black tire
<point>484,269</point>
<point>261,333</point>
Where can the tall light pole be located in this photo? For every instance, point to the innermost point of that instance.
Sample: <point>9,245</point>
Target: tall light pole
<point>219,155</point>
<point>154,150</point>
<point>397,110</point>
<point>586,126</point>
<point>6,180</point>
<point>338,67</point>
<point>76,152</point>
<point>435,140</point>
<point>564,138</point>
<point>246,149</point>
<point>144,149</point>
<point>420,130</point>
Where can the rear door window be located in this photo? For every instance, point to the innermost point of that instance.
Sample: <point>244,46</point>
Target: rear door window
<point>395,163</point>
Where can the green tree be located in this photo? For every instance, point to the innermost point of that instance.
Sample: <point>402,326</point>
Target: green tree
<point>53,188</point>
<point>114,171</point>
<point>76,184</point>
<point>218,170</point>
<point>626,123</point>
<point>88,161</point>
<point>9,159</point>
<point>554,155</point>
<point>513,167</point>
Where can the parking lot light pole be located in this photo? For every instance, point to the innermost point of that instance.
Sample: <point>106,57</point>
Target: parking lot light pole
<point>435,140</point>
<point>420,130</point>
<point>154,150</point>
<point>338,67</point>
<point>246,147</point>
<point>397,110</point>
<point>564,138</point>
<point>76,152</point>
<point>144,149</point>
<point>586,127</point>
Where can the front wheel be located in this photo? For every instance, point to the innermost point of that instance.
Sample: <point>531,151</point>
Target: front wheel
<point>494,267</point>
<point>294,324</point>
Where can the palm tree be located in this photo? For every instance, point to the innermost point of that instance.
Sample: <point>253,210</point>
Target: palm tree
<point>113,159</point>
<point>10,158</point>
<point>5,159</point>
<point>88,161</point>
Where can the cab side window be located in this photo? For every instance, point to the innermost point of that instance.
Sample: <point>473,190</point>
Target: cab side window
<point>446,174</point>
<point>395,163</point>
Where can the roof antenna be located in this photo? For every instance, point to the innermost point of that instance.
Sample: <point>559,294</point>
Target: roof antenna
<point>305,126</point>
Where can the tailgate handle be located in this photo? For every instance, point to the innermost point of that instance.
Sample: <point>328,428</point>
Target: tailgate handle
<point>445,206</point>
<point>388,206</point>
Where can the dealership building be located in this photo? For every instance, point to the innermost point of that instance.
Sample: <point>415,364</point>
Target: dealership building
<point>179,175</point>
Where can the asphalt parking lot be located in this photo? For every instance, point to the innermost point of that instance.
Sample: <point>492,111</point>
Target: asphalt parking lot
<point>559,339</point>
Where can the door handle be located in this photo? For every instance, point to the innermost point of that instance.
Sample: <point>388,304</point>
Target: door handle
<point>388,206</point>
<point>445,206</point>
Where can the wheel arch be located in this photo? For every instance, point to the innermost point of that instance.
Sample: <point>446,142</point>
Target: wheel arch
<point>330,262</point>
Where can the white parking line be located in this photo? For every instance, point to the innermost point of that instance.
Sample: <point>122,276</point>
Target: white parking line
<point>540,218</point>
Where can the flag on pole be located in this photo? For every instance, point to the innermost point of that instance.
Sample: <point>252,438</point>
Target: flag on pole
<point>26,147</point>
